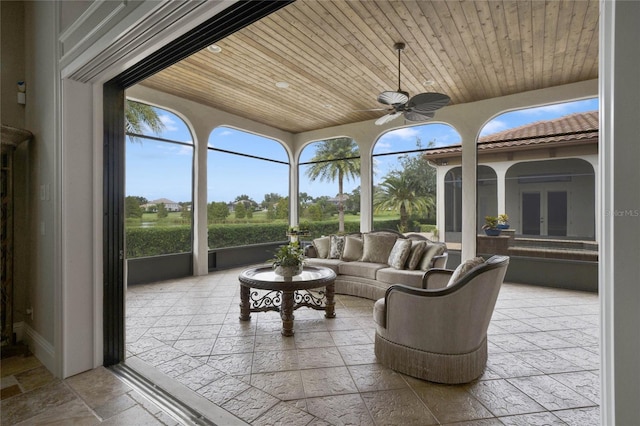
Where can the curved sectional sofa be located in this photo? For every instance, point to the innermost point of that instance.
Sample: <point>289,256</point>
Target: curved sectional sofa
<point>367,264</point>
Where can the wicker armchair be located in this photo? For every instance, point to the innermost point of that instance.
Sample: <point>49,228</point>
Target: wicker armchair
<point>439,333</point>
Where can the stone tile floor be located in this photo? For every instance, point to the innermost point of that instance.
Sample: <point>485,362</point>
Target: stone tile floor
<point>31,395</point>
<point>542,369</point>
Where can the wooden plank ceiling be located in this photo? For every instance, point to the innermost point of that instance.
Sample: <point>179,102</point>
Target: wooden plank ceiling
<point>338,55</point>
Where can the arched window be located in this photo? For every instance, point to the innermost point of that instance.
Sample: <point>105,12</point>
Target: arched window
<point>329,183</point>
<point>405,177</point>
<point>159,182</point>
<point>544,160</point>
<point>247,189</point>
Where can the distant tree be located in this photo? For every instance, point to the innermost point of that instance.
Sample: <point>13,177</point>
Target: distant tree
<point>314,212</point>
<point>270,200</point>
<point>141,200</point>
<point>352,204</point>
<point>185,210</point>
<point>282,208</point>
<point>162,210</point>
<point>248,202</point>
<point>396,193</point>
<point>240,211</point>
<point>419,173</point>
<point>139,116</point>
<point>249,213</point>
<point>304,199</point>
<point>132,207</point>
<point>217,211</point>
<point>334,160</point>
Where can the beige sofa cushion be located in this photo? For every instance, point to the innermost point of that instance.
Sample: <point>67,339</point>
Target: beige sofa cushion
<point>464,268</point>
<point>399,253</point>
<point>361,269</point>
<point>332,264</point>
<point>352,248</point>
<point>415,255</point>
<point>431,251</point>
<point>336,245</point>
<point>400,276</point>
<point>322,246</point>
<point>377,247</point>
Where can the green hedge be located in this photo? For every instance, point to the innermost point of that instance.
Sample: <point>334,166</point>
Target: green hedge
<point>144,242</point>
<point>158,240</point>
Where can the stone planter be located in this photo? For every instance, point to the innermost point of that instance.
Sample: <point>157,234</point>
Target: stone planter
<point>492,232</point>
<point>288,271</point>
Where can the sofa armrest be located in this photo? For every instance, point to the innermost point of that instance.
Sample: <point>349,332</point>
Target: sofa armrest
<point>310,251</point>
<point>436,278</point>
<point>440,261</point>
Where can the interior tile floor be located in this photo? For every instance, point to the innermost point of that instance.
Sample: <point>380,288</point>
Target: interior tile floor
<point>31,395</point>
<point>543,365</point>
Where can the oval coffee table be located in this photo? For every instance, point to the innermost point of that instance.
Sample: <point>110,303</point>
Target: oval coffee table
<point>285,295</point>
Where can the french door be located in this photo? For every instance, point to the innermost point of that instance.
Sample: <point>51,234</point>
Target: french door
<point>544,213</point>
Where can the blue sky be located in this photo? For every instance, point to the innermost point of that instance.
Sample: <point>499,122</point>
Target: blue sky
<point>162,170</point>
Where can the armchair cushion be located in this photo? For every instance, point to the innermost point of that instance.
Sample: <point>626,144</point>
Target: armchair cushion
<point>464,268</point>
<point>399,253</point>
<point>377,247</point>
<point>322,245</point>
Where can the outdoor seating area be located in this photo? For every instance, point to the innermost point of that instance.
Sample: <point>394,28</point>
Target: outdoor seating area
<point>542,366</point>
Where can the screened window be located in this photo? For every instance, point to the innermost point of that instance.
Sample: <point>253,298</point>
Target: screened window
<point>159,182</point>
<point>329,181</point>
<point>247,189</point>
<point>405,180</point>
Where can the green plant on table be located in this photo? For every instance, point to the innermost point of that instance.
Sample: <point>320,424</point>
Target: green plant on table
<point>288,255</point>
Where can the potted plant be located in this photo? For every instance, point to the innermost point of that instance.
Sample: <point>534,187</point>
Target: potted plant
<point>288,260</point>
<point>491,226</point>
<point>503,221</point>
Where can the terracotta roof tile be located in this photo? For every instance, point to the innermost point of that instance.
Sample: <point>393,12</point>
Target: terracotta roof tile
<point>573,127</point>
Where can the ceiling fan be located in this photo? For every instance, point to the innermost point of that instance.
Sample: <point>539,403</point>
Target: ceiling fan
<point>420,107</point>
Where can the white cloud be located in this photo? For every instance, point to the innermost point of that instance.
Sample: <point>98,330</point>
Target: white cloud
<point>494,126</point>
<point>404,133</point>
<point>169,122</point>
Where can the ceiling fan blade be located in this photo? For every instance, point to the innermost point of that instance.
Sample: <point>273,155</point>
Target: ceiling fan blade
<point>388,117</point>
<point>393,98</point>
<point>426,102</point>
<point>413,115</point>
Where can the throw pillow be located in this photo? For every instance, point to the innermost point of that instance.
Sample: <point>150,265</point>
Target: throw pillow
<point>430,251</point>
<point>399,253</point>
<point>352,248</point>
<point>415,255</point>
<point>322,245</point>
<point>336,246</point>
<point>463,268</point>
<point>377,247</point>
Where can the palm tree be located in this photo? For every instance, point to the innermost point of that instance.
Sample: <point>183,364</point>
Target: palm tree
<point>138,115</point>
<point>336,159</point>
<point>397,193</point>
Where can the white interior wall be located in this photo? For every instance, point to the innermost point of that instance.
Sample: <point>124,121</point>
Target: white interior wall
<point>619,191</point>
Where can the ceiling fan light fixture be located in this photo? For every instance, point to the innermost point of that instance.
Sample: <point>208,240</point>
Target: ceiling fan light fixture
<point>282,85</point>
<point>393,98</point>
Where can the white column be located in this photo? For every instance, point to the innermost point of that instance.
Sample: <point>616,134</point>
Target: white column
<point>469,213</point>
<point>441,218</point>
<point>366,189</point>
<point>620,224</point>
<point>501,180</point>
<point>199,207</point>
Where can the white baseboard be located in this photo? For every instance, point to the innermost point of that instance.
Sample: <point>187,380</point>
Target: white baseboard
<point>18,330</point>
<point>41,348</point>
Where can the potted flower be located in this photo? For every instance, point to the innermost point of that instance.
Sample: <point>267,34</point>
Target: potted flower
<point>503,221</point>
<point>491,226</point>
<point>288,260</point>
